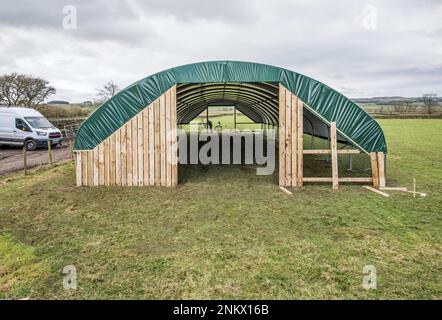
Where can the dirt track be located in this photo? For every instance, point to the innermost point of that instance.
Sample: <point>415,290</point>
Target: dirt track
<point>11,158</point>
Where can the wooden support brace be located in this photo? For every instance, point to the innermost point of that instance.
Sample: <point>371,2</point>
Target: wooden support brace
<point>376,191</point>
<point>285,190</point>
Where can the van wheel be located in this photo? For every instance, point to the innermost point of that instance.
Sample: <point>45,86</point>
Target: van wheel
<point>30,145</point>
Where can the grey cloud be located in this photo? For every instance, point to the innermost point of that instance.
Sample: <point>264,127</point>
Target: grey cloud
<point>127,40</point>
<point>96,20</point>
<point>227,10</point>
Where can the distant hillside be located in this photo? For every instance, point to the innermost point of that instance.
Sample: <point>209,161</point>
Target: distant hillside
<point>57,102</point>
<point>388,100</point>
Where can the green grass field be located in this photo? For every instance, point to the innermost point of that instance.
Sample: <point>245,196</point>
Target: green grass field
<point>226,122</point>
<point>227,233</point>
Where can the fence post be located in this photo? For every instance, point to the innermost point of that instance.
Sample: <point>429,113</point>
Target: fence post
<point>25,162</point>
<point>71,150</point>
<point>50,152</point>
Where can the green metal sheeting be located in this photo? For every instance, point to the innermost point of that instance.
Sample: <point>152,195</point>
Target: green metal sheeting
<point>327,104</point>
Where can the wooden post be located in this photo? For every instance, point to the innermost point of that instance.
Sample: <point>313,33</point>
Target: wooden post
<point>234,117</point>
<point>207,118</point>
<point>288,139</point>
<point>152,145</point>
<point>84,179</point>
<point>295,154</point>
<point>71,150</point>
<point>157,145</point>
<point>374,169</point>
<point>334,155</point>
<point>381,170</point>
<point>414,188</point>
<point>174,137</point>
<point>96,167</point>
<point>118,158</point>
<point>123,156</point>
<point>78,168</point>
<point>282,155</point>
<point>163,139</point>
<point>50,152</point>
<point>300,142</point>
<point>25,162</point>
<point>145,147</point>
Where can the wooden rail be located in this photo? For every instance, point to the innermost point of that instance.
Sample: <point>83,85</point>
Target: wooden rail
<point>326,151</point>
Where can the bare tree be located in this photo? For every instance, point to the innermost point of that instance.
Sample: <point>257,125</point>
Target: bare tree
<point>23,90</point>
<point>109,89</point>
<point>397,106</point>
<point>429,100</point>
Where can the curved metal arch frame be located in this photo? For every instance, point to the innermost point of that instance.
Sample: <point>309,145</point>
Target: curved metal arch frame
<point>261,98</point>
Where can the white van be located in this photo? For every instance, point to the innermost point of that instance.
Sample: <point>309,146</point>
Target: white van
<point>27,127</point>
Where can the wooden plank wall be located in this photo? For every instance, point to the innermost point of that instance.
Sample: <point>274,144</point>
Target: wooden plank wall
<point>143,152</point>
<point>290,139</point>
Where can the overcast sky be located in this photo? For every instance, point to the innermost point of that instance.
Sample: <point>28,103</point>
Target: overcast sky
<point>361,48</point>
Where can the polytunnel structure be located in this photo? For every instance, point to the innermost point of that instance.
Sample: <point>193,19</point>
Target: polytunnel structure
<point>131,138</point>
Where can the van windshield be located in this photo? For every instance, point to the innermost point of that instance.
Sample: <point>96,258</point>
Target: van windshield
<point>39,122</point>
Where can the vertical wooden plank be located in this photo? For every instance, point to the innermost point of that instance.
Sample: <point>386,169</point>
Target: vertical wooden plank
<point>140,143</point>
<point>168,136</point>
<point>288,135</point>
<point>106,162</point>
<point>134,151</point>
<point>163,137</point>
<point>294,125</point>
<point>157,145</point>
<point>118,157</point>
<point>381,170</point>
<point>300,142</point>
<point>101,164</point>
<point>78,170</point>
<point>96,167</point>
<point>129,165</point>
<point>334,154</point>
<point>90,161</point>
<point>282,92</point>
<point>152,144</point>
<point>145,147</point>
<point>84,171</point>
<point>112,155</point>
<point>174,138</point>
<point>124,155</point>
<point>374,169</point>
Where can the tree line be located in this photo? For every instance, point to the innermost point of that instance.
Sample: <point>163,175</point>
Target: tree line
<point>23,90</point>
<point>29,91</point>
